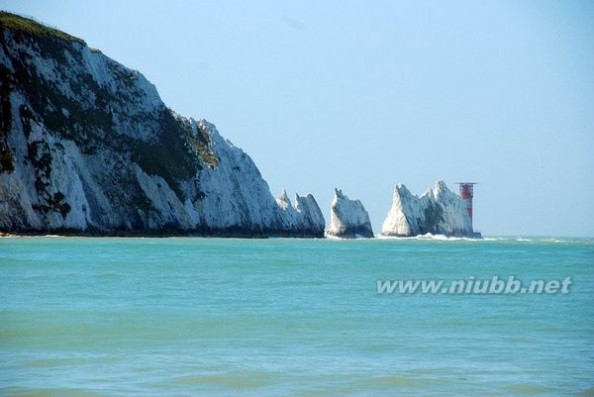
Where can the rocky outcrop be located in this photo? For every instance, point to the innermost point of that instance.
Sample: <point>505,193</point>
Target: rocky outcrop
<point>87,146</point>
<point>302,218</point>
<point>348,218</point>
<point>438,211</point>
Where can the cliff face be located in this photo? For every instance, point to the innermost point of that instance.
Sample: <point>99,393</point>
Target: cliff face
<point>438,211</point>
<point>348,218</point>
<point>87,145</point>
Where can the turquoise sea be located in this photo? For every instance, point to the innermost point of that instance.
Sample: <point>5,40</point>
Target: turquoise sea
<point>289,317</point>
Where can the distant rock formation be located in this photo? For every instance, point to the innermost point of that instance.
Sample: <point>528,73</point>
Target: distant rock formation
<point>348,218</point>
<point>304,218</point>
<point>87,146</point>
<point>438,211</point>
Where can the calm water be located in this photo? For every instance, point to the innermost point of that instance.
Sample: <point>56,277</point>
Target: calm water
<point>185,317</point>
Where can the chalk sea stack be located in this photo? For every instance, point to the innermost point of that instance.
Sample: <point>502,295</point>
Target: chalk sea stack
<point>348,218</point>
<point>437,211</point>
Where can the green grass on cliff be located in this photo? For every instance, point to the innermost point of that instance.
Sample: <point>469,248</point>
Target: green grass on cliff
<point>20,24</point>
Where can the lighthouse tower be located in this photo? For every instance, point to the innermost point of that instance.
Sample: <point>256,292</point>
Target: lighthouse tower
<point>467,193</point>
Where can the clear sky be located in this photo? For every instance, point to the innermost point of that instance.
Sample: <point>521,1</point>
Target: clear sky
<point>362,95</point>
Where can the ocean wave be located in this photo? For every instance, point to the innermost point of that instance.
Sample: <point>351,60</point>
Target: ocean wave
<point>428,237</point>
<point>541,240</point>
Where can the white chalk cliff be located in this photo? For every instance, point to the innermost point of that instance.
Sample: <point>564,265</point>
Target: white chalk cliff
<point>87,145</point>
<point>437,211</point>
<point>348,218</point>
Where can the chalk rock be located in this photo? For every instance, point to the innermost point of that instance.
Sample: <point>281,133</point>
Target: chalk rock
<point>437,211</point>
<point>348,218</point>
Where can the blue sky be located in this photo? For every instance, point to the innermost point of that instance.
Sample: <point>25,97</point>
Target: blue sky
<point>364,95</point>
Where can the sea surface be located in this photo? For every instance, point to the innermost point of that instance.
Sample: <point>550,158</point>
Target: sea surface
<point>289,317</point>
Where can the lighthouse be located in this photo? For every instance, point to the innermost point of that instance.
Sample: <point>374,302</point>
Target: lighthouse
<point>467,193</point>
